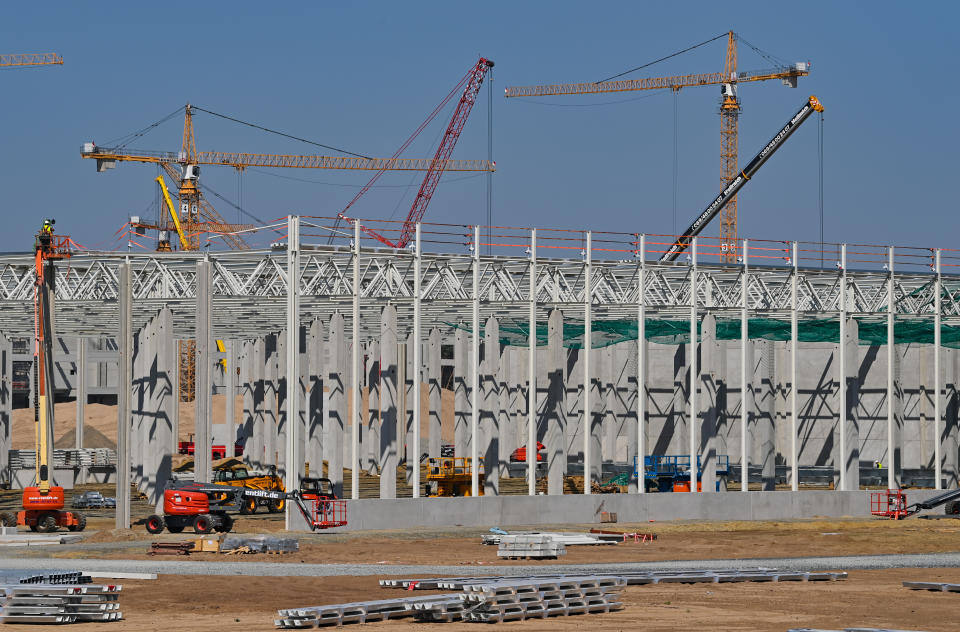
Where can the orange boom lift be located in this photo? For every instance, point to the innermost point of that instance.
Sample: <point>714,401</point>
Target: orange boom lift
<point>43,503</point>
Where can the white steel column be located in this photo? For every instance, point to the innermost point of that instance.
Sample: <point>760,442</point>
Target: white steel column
<point>414,461</point>
<point>744,341</point>
<point>641,370</point>
<point>475,372</point>
<point>694,369</point>
<point>293,467</point>
<point>587,346</point>
<point>891,359</point>
<point>794,422</point>
<point>124,386</point>
<point>355,372</point>
<point>843,368</point>
<point>937,419</point>
<point>532,372</point>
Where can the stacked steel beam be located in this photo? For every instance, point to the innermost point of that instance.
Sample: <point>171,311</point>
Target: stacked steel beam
<point>481,600</point>
<point>533,546</point>
<point>58,603</point>
<point>519,600</point>
<point>633,578</point>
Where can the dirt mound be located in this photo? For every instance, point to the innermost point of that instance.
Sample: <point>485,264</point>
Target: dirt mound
<point>92,438</point>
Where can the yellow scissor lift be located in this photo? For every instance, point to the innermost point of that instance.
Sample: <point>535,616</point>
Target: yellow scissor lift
<point>452,476</point>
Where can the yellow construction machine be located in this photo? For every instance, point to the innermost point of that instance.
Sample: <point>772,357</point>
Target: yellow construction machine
<point>235,474</point>
<point>452,476</point>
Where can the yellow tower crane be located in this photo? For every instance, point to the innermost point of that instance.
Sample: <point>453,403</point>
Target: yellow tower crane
<point>729,112</point>
<point>31,59</point>
<point>197,216</point>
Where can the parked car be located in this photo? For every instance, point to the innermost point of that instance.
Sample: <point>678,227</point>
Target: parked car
<point>93,500</point>
<point>88,500</point>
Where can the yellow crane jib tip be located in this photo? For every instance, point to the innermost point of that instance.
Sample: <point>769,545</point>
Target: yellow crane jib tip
<point>815,103</point>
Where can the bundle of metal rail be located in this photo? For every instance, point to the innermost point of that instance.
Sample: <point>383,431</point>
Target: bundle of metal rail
<point>680,576</point>
<point>56,597</point>
<point>481,600</point>
<point>495,599</point>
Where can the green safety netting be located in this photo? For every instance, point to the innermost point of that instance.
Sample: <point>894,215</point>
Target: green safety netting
<point>608,332</point>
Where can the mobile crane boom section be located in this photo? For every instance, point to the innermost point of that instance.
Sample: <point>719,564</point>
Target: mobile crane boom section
<point>683,241</point>
<point>173,213</point>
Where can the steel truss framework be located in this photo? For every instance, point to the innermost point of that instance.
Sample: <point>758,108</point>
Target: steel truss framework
<point>257,292</point>
<point>249,288</point>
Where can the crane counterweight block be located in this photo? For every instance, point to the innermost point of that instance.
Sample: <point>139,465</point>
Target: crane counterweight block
<point>811,105</point>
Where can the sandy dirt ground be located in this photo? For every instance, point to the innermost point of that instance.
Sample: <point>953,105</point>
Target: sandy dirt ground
<point>675,541</point>
<point>866,599</point>
<point>100,420</point>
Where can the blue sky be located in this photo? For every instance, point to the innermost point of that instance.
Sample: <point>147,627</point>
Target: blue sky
<point>363,75</point>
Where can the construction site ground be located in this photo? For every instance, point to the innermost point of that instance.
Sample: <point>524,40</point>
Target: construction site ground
<point>872,598</point>
<point>868,598</point>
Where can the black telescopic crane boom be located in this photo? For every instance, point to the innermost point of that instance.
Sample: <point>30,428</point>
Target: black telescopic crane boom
<point>683,241</point>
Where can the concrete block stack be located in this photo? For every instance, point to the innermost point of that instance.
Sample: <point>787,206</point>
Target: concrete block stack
<point>532,546</point>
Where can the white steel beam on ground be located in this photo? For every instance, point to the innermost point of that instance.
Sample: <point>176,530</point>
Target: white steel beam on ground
<point>532,371</point>
<point>124,380</point>
<point>475,371</point>
<point>794,383</point>
<point>586,349</point>
<point>937,378</point>
<point>355,371</point>
<point>641,368</point>
<point>744,341</point>
<point>294,468</point>
<point>413,459</point>
<point>694,370</point>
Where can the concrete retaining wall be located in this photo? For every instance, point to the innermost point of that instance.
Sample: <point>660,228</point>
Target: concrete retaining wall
<point>504,511</point>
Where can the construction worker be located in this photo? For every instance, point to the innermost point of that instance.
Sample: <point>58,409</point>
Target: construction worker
<point>45,236</point>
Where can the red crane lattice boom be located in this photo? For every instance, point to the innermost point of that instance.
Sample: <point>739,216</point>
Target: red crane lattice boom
<point>471,82</point>
<point>444,151</point>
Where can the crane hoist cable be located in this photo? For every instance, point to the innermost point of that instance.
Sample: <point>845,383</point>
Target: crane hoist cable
<point>284,134</point>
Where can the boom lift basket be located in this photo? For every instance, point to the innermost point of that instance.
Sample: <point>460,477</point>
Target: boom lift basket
<point>327,514</point>
<point>891,503</point>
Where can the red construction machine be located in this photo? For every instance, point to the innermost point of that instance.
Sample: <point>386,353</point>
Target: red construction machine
<point>892,504</point>
<point>206,507</point>
<point>43,502</point>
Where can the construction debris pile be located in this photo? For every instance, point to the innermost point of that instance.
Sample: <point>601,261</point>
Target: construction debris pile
<point>497,599</point>
<point>56,597</point>
<point>258,544</point>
